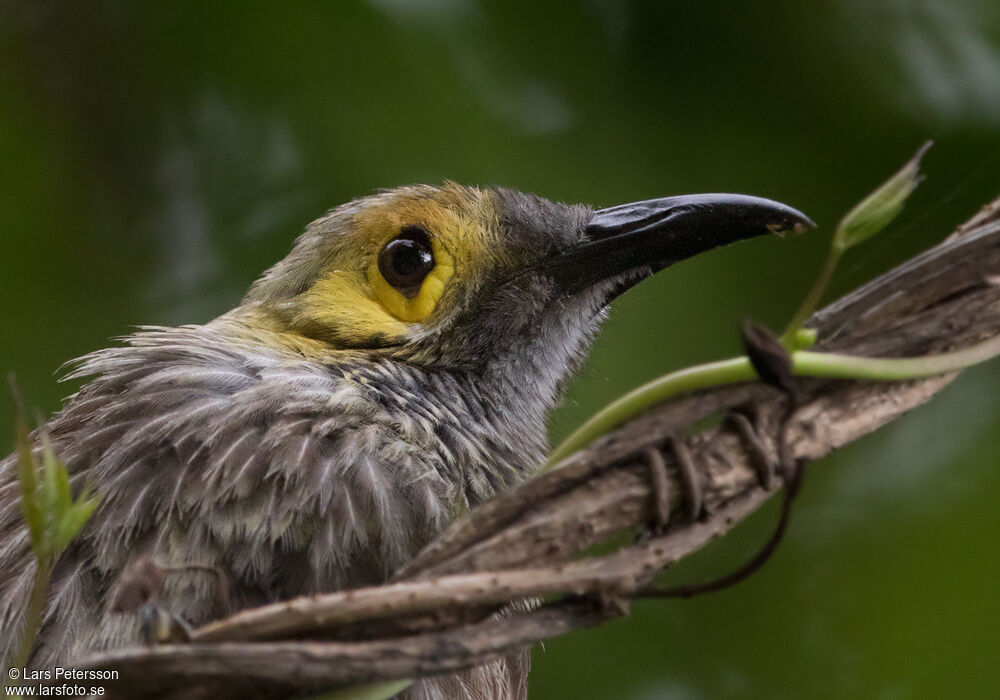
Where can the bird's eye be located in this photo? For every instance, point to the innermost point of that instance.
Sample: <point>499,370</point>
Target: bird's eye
<point>406,260</point>
<point>410,273</point>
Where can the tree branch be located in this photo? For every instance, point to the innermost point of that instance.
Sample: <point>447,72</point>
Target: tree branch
<point>439,613</point>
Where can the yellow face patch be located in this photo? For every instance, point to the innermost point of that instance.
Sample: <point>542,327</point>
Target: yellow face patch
<point>353,304</point>
<point>453,220</point>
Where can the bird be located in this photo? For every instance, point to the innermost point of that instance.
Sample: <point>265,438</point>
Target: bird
<point>393,371</point>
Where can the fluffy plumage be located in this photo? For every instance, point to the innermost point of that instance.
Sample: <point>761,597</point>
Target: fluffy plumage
<point>297,461</point>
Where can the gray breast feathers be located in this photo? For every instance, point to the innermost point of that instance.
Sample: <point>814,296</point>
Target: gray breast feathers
<point>289,476</point>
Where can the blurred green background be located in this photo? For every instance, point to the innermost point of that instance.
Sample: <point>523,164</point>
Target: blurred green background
<point>155,157</point>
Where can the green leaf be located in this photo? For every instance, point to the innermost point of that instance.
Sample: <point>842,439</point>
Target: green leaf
<point>51,468</point>
<point>874,212</point>
<point>27,469</point>
<point>52,515</point>
<point>57,479</point>
<point>72,521</point>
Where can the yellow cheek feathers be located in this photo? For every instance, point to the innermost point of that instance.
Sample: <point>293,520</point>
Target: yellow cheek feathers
<point>338,309</point>
<point>423,303</point>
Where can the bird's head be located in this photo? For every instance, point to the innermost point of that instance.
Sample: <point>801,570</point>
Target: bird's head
<point>464,278</point>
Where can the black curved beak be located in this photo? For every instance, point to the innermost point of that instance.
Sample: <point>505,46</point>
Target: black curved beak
<point>651,235</point>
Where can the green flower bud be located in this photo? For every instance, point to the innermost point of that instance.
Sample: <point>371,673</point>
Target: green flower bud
<point>875,211</point>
